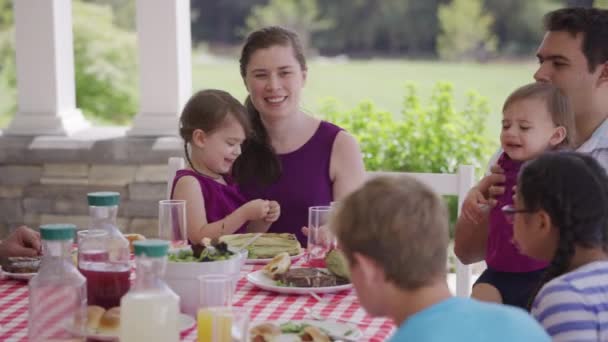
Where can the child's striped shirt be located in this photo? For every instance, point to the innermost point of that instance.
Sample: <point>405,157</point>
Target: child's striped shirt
<point>574,306</point>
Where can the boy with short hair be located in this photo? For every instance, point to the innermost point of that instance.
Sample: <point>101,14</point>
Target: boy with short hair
<point>394,232</point>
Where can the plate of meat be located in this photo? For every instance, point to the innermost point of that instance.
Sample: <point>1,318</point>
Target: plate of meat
<point>20,268</point>
<point>280,276</point>
<point>304,330</point>
<point>300,280</point>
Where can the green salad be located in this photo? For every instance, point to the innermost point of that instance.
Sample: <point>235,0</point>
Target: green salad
<point>298,328</point>
<point>202,254</point>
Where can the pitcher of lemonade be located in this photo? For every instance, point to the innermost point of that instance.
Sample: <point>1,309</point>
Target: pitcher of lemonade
<point>107,266</point>
<point>149,312</point>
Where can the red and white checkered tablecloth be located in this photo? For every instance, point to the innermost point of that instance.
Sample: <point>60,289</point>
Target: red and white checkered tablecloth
<point>264,306</point>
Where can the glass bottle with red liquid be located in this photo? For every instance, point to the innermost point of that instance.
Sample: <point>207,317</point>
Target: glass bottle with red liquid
<point>106,262</point>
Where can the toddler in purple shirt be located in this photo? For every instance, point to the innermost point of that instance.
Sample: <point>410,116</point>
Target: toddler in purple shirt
<point>536,117</point>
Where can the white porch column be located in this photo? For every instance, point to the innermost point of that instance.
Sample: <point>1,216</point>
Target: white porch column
<point>165,67</point>
<point>45,69</point>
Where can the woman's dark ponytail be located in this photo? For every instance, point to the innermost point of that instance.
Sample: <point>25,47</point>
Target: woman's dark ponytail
<point>258,163</point>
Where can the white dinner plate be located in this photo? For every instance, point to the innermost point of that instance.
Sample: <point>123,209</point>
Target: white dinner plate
<point>335,329</point>
<point>184,322</point>
<point>261,280</point>
<point>267,260</point>
<point>19,276</point>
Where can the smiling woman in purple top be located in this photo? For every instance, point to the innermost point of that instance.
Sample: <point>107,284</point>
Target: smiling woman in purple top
<point>293,158</point>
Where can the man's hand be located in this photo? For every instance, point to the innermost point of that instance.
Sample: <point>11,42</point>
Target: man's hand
<point>489,185</point>
<point>23,242</point>
<point>475,206</point>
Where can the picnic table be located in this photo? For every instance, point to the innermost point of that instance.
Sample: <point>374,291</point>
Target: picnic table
<point>264,306</point>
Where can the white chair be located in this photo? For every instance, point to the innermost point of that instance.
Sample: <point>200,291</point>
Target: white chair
<point>457,184</point>
<point>175,163</point>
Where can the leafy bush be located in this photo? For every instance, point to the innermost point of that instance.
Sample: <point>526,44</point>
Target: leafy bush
<point>432,138</point>
<point>104,61</point>
<point>424,138</point>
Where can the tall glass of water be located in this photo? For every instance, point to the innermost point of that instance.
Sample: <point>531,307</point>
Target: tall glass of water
<point>172,222</point>
<point>320,238</point>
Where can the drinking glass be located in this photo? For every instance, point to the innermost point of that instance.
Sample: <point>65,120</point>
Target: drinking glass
<point>320,238</point>
<point>172,222</point>
<point>223,324</point>
<point>215,290</point>
<point>92,246</point>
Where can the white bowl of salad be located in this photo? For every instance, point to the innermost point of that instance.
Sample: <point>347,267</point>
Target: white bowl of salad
<point>185,266</point>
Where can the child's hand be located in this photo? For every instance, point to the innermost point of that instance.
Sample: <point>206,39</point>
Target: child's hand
<point>274,211</point>
<point>475,206</point>
<point>256,209</point>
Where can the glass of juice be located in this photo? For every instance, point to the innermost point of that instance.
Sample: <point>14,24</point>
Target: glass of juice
<point>172,222</point>
<point>222,324</point>
<point>320,238</point>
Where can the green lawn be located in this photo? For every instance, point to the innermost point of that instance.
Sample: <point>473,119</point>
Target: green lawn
<point>381,81</point>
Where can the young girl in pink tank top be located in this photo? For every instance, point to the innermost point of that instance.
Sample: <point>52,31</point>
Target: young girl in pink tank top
<point>213,126</point>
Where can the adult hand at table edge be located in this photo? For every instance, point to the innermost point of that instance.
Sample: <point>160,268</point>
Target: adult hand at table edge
<point>23,241</point>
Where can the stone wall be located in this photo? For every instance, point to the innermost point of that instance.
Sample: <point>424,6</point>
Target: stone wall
<point>46,179</point>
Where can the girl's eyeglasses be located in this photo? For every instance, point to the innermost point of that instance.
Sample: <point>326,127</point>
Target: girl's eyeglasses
<point>509,211</point>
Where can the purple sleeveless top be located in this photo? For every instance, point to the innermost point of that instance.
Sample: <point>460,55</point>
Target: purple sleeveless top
<point>220,200</point>
<point>304,182</point>
<point>501,253</point>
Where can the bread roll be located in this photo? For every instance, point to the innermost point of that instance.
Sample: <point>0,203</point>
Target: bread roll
<point>94,314</point>
<point>132,238</point>
<point>266,331</point>
<point>110,321</point>
<point>278,265</point>
<point>316,334</point>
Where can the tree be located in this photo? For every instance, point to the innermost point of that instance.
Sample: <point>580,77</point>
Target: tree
<point>466,31</point>
<point>123,10</point>
<point>220,21</point>
<point>349,33</point>
<point>601,4</point>
<point>104,61</point>
<point>6,14</point>
<point>302,16</point>
<point>579,3</point>
<point>418,35</point>
<point>390,26</point>
<point>519,32</point>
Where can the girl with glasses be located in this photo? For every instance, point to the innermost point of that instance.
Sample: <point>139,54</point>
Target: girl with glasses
<point>561,216</point>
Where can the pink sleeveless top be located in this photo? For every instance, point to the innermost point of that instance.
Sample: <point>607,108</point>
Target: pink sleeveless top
<point>220,200</point>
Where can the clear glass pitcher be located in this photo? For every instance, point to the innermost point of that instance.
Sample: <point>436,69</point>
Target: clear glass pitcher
<point>57,293</point>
